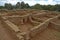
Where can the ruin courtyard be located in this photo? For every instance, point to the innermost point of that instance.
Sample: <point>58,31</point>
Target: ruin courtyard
<point>29,25</point>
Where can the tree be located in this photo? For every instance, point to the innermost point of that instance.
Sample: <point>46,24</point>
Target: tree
<point>37,6</point>
<point>53,8</point>
<point>18,5</point>
<point>57,7</point>
<point>8,6</point>
<point>48,7</point>
<point>22,5</point>
<point>27,5</point>
<point>1,7</point>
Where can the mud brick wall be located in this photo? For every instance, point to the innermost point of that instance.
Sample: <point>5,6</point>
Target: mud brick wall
<point>39,28</point>
<point>55,25</point>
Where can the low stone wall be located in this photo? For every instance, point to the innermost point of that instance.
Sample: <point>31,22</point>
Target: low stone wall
<point>33,22</point>
<point>54,19</point>
<point>39,28</point>
<point>8,29</point>
<point>55,25</point>
<point>13,26</point>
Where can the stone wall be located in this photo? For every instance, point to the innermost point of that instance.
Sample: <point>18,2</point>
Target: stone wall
<point>8,29</point>
<point>55,25</point>
<point>39,28</point>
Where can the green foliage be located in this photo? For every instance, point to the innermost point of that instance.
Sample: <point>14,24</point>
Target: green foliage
<point>22,5</point>
<point>27,5</point>
<point>8,6</point>
<point>18,5</point>
<point>1,7</point>
<point>37,6</point>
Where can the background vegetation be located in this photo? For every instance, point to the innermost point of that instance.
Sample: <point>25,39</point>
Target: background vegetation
<point>22,5</point>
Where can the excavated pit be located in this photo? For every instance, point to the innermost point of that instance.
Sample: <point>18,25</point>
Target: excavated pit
<point>31,24</point>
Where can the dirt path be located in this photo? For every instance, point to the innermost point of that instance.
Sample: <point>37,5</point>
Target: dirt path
<point>48,34</point>
<point>25,27</point>
<point>5,34</point>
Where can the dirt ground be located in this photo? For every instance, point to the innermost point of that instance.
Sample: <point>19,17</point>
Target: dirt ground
<point>48,34</point>
<point>7,33</point>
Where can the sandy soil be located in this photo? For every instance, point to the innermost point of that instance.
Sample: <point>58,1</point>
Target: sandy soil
<point>56,21</point>
<point>48,34</point>
<point>5,34</point>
